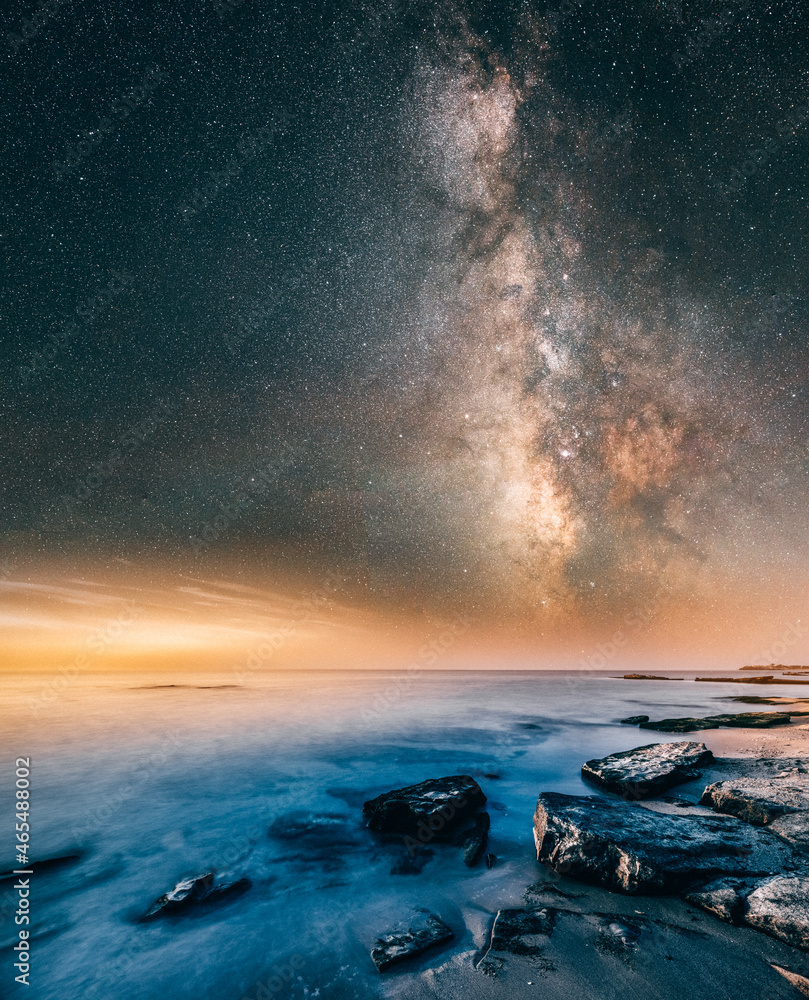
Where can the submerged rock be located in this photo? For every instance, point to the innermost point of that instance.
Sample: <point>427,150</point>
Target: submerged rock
<point>522,931</point>
<point>475,841</point>
<point>191,892</point>
<point>635,720</point>
<point>648,770</point>
<point>780,906</point>
<point>630,849</point>
<point>399,945</point>
<point>411,862</point>
<point>313,829</point>
<point>758,800</point>
<point>430,810</point>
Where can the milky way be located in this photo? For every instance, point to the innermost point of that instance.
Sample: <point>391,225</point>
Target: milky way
<point>492,307</point>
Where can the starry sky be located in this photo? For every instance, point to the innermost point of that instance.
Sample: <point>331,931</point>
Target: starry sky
<point>493,309</point>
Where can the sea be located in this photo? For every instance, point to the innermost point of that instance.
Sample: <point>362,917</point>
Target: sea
<point>136,784</point>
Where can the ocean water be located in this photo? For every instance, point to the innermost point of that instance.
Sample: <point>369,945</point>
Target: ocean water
<point>138,785</point>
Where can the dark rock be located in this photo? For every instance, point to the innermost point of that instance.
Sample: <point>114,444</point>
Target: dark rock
<point>193,892</point>
<point>411,862</point>
<point>780,906</point>
<point>635,720</point>
<point>522,931</point>
<point>475,841</point>
<point>433,809</point>
<point>679,725</point>
<point>490,860</point>
<point>792,827</point>
<point>723,898</point>
<point>648,677</point>
<point>399,945</point>
<point>758,800</point>
<point>630,849</point>
<point>751,720</point>
<point>648,770</point>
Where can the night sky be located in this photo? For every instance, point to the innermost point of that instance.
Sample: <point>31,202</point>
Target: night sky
<point>491,308</point>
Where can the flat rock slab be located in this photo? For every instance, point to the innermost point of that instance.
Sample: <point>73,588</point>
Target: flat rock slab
<point>431,810</point>
<point>780,906</point>
<point>522,931</point>
<point>723,898</point>
<point>648,770</point>
<point>744,720</point>
<point>629,849</point>
<point>758,800</point>
<point>400,945</point>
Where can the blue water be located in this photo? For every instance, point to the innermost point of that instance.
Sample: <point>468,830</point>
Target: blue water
<point>152,784</point>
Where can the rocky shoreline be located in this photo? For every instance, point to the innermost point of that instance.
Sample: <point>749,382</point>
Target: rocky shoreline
<point>733,843</point>
<point>680,864</point>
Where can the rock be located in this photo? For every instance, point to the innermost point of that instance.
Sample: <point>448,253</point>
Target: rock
<point>758,800</point>
<point>191,892</point>
<point>411,862</point>
<point>792,827</point>
<point>433,809</point>
<point>801,983</point>
<point>399,945</point>
<point>679,725</point>
<point>648,770</point>
<point>313,829</point>
<point>723,898</point>
<point>648,677</point>
<point>634,720</point>
<point>490,860</point>
<point>630,849</point>
<point>752,720</point>
<point>475,842</point>
<point>780,906</point>
<point>522,931</point>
